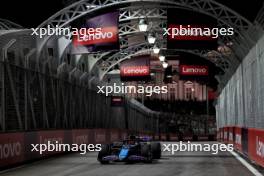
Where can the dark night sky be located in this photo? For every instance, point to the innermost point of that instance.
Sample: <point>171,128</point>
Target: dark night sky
<point>29,13</point>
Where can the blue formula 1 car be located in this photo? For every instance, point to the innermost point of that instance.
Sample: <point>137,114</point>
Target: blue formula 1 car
<point>133,149</point>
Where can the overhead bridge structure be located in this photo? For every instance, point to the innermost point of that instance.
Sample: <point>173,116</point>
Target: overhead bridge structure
<point>46,91</point>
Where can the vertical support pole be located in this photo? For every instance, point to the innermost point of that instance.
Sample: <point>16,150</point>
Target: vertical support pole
<point>4,57</point>
<point>26,96</point>
<point>243,95</point>
<point>207,111</point>
<point>126,113</point>
<point>27,86</point>
<point>3,95</point>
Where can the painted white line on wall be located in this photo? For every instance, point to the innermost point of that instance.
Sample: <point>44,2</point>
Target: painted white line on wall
<point>246,164</point>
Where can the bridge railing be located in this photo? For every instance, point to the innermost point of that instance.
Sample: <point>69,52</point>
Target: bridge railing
<point>49,99</point>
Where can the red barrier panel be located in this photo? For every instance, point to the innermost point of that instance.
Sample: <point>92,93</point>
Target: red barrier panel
<point>51,136</point>
<point>225,135</point>
<point>218,135</point>
<point>11,148</point>
<point>163,137</point>
<point>231,135</point>
<point>124,134</point>
<point>222,134</point>
<point>81,136</point>
<point>203,138</point>
<point>156,137</point>
<point>248,141</point>
<point>173,137</point>
<point>256,145</point>
<point>187,138</point>
<point>114,135</point>
<point>238,139</point>
<point>100,136</point>
<point>145,134</point>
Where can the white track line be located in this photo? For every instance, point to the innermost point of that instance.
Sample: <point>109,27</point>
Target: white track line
<point>246,164</point>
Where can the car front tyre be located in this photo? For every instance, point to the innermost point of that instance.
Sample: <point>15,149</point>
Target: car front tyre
<point>156,150</point>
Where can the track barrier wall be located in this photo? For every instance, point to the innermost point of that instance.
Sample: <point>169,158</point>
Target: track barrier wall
<point>15,148</point>
<point>248,141</point>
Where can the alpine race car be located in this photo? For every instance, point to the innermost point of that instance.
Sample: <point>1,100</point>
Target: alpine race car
<point>133,149</point>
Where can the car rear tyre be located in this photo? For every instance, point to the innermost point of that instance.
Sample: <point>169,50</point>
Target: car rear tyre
<point>104,152</point>
<point>146,152</point>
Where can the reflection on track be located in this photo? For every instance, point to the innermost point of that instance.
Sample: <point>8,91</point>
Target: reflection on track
<point>182,163</point>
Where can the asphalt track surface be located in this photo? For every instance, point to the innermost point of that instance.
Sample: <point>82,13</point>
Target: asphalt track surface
<point>180,164</point>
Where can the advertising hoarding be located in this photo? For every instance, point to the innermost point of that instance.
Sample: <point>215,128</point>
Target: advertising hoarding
<point>194,70</point>
<point>137,68</point>
<point>99,33</point>
<point>191,30</point>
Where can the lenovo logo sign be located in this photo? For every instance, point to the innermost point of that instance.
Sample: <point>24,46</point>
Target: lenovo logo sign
<point>96,36</point>
<point>10,150</point>
<point>100,137</point>
<point>259,147</point>
<point>135,71</point>
<point>195,70</point>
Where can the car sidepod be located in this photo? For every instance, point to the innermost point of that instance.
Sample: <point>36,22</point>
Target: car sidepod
<point>123,153</point>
